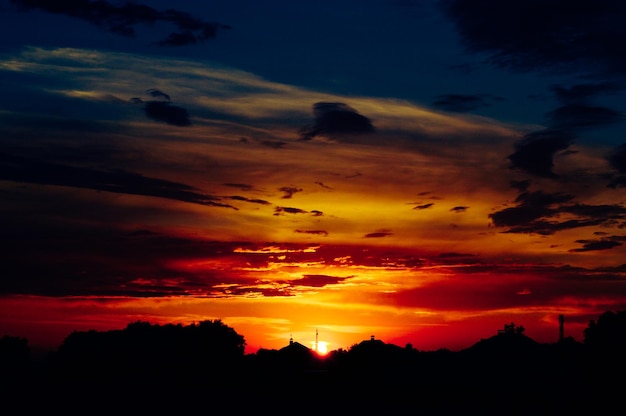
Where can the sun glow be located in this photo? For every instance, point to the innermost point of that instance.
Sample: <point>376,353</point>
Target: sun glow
<point>321,347</point>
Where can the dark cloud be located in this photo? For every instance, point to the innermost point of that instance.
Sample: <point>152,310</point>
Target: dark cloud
<point>539,213</point>
<point>583,93</point>
<point>323,185</point>
<point>534,153</point>
<point>378,234</point>
<point>317,280</point>
<point>542,227</point>
<point>153,92</point>
<point>163,110</point>
<point>617,160</point>
<point>618,181</point>
<point>463,103</point>
<point>179,39</point>
<point>336,118</point>
<point>424,206</point>
<point>22,169</point>
<point>246,290</point>
<point>610,269</point>
<point>574,36</point>
<point>167,113</point>
<point>314,232</point>
<point>242,186</point>
<point>581,116</point>
<point>288,191</point>
<point>531,206</point>
<point>521,186</point>
<point>459,209</point>
<point>122,18</point>
<point>608,212</point>
<point>289,210</point>
<point>601,244</point>
<point>456,258</point>
<point>244,199</point>
<point>274,144</point>
<point>105,262</point>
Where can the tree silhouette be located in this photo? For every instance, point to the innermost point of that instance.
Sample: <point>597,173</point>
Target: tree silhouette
<point>204,362</point>
<point>608,332</point>
<point>205,352</point>
<point>605,340</point>
<point>14,354</point>
<point>512,329</point>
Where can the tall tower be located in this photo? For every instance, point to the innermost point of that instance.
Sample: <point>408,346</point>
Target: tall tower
<point>316,341</point>
<point>561,324</point>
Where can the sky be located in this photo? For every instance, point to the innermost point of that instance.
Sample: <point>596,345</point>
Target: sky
<point>419,171</point>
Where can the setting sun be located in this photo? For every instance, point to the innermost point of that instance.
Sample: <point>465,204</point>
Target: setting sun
<point>321,348</point>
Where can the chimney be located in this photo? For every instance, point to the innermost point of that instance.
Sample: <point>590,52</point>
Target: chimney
<point>561,322</point>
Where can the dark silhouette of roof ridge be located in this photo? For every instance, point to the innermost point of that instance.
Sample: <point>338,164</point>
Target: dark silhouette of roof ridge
<point>295,346</point>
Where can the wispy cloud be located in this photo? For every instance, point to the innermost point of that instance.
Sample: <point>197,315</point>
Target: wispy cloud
<point>123,18</point>
<point>464,103</point>
<point>21,169</point>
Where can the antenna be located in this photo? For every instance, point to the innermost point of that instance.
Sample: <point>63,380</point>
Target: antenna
<point>316,344</point>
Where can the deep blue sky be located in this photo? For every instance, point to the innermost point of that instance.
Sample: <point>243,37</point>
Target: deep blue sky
<point>404,49</point>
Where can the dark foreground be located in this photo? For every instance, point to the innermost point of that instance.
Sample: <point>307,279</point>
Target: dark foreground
<point>201,369</point>
<point>439,385</point>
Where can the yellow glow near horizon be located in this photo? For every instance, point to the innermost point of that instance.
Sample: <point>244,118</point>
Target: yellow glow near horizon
<point>321,347</point>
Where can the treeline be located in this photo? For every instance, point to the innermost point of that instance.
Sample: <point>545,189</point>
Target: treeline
<point>207,360</point>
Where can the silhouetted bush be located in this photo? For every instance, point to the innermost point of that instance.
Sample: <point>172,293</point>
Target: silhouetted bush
<point>205,352</point>
<point>14,354</point>
<point>607,333</point>
<point>605,339</point>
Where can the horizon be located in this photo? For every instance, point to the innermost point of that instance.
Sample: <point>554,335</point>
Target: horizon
<point>422,171</point>
<point>178,368</point>
<point>321,348</point>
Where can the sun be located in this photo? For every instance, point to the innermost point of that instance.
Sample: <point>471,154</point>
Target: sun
<point>322,348</point>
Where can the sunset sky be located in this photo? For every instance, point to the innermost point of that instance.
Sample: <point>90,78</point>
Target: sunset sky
<point>422,171</point>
